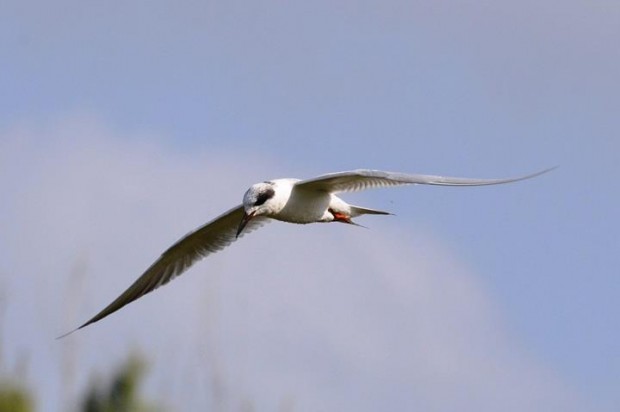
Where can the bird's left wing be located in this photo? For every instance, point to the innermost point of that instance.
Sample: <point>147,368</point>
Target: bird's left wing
<point>363,179</point>
<point>208,239</point>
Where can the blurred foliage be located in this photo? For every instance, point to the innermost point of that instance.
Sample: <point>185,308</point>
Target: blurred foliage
<point>121,394</point>
<point>14,398</point>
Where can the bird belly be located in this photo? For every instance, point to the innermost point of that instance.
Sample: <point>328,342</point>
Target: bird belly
<point>303,207</point>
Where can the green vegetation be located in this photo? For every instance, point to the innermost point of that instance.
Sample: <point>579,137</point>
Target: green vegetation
<point>121,394</point>
<point>14,398</point>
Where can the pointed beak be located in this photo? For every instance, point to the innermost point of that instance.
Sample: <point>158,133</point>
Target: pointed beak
<point>244,221</point>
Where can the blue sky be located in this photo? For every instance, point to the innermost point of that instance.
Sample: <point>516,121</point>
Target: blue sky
<point>122,127</point>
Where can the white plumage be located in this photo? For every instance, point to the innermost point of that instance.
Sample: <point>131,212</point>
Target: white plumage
<point>289,200</point>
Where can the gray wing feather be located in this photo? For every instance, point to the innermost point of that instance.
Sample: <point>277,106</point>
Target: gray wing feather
<point>210,238</point>
<point>363,179</point>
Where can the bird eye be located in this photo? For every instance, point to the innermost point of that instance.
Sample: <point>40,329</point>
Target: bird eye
<point>264,196</point>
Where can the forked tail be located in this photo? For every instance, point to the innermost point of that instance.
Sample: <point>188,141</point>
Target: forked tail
<point>358,211</point>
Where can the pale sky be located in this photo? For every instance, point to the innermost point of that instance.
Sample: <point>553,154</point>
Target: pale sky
<point>123,127</point>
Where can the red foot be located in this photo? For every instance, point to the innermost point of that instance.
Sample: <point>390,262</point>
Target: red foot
<point>340,217</point>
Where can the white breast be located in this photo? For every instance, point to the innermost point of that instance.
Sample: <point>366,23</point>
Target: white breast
<point>302,206</point>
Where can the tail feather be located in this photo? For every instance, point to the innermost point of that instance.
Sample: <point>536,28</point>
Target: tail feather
<point>357,211</point>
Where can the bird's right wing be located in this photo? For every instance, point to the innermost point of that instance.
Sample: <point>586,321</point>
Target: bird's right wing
<point>208,239</point>
<point>362,179</point>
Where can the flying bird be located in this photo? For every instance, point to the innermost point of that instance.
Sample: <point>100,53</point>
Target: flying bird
<point>288,200</point>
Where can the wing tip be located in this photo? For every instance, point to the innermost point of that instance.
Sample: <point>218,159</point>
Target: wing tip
<point>542,172</point>
<point>94,319</point>
<point>64,335</point>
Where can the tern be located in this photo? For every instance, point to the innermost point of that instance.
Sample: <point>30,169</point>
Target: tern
<point>288,200</point>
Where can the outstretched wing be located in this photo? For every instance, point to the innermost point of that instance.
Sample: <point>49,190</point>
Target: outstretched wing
<point>363,179</point>
<point>208,239</point>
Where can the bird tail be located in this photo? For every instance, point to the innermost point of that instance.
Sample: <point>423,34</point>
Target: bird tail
<point>357,211</point>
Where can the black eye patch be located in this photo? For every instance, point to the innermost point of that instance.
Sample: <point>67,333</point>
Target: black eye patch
<point>264,196</point>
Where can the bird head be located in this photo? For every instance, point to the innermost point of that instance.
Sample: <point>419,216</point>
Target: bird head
<point>256,202</point>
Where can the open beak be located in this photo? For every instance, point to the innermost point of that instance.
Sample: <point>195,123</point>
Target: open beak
<point>244,221</point>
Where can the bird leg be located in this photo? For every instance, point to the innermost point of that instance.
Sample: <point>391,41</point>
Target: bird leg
<point>341,217</point>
